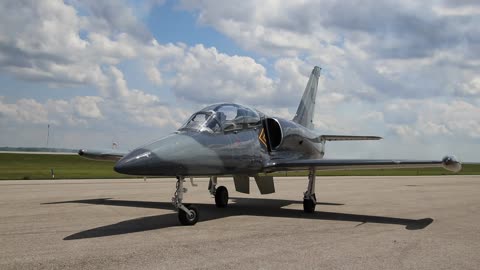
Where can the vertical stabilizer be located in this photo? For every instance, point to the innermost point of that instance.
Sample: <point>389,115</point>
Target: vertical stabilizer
<point>304,115</point>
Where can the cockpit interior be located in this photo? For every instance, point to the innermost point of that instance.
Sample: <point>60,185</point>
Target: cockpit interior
<point>223,117</point>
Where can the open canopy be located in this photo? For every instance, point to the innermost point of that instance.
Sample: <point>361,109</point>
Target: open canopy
<point>223,117</point>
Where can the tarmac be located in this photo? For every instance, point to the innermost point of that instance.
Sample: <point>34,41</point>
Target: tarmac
<point>428,222</point>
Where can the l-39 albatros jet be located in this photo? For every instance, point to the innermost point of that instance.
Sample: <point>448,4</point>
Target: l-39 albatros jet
<point>231,139</point>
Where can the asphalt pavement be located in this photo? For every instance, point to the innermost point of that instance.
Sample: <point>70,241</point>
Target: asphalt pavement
<point>428,222</point>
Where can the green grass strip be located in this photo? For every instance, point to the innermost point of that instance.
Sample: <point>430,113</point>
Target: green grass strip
<point>38,166</point>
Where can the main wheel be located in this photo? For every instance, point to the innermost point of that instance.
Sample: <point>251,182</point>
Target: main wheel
<point>188,219</point>
<point>308,206</point>
<point>221,197</point>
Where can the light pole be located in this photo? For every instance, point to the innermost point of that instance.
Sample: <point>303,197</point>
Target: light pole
<point>48,133</point>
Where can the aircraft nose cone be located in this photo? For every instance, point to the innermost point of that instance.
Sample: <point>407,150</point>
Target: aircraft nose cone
<point>134,163</point>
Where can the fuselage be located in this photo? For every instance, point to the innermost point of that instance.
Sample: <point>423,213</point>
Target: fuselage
<point>244,150</point>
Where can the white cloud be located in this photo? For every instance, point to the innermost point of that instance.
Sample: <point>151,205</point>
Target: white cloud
<point>204,75</point>
<point>470,88</point>
<point>436,118</point>
<point>153,74</point>
<point>404,68</point>
<point>24,110</point>
<point>50,41</point>
<point>371,48</point>
<point>71,112</point>
<point>88,106</point>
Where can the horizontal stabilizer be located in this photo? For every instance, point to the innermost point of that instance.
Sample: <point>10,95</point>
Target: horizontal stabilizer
<point>346,138</point>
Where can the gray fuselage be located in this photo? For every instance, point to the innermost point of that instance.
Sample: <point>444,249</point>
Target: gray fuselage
<point>239,151</point>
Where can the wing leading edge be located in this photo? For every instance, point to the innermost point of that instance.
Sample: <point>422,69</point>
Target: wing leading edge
<point>323,138</point>
<point>449,163</point>
<point>348,138</point>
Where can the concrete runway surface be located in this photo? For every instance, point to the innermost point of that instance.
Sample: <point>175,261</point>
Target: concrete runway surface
<point>360,223</point>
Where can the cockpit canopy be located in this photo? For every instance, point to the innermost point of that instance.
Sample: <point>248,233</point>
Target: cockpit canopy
<point>223,117</point>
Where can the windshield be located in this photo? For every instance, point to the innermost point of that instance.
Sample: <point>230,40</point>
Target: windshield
<point>223,117</point>
<point>202,121</point>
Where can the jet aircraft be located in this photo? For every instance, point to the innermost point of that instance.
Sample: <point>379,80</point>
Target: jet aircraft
<point>229,139</point>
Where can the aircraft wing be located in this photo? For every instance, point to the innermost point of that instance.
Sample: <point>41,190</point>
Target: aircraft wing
<point>109,154</point>
<point>449,163</point>
<point>347,138</point>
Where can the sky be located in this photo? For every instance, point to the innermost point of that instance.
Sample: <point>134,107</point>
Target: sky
<point>130,71</point>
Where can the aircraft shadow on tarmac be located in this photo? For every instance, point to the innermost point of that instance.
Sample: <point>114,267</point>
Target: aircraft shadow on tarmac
<point>237,207</point>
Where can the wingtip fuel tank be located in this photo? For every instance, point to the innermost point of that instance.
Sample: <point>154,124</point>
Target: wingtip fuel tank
<point>451,163</point>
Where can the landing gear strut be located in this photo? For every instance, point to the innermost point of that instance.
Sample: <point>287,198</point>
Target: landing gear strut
<point>187,214</point>
<point>212,185</point>
<point>309,198</point>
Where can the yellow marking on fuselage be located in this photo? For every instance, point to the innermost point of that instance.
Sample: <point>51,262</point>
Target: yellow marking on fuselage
<point>262,137</point>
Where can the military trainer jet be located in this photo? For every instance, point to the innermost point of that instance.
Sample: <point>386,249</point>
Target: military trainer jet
<point>228,139</point>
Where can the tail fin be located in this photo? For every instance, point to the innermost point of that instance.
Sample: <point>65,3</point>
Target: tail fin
<point>304,115</point>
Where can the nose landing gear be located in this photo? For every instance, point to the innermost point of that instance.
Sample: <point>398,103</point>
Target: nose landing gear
<point>187,214</point>
<point>188,218</point>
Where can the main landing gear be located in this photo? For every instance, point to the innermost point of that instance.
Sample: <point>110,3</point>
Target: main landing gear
<point>220,193</point>
<point>187,214</point>
<point>309,198</point>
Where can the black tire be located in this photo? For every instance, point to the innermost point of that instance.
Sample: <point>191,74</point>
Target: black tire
<point>186,219</point>
<point>308,206</point>
<point>221,197</point>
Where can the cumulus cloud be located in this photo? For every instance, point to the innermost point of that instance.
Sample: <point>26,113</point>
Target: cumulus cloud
<point>204,75</point>
<point>470,88</point>
<point>407,69</point>
<point>389,28</point>
<point>73,112</point>
<point>87,106</point>
<point>111,17</point>
<point>49,41</point>
<point>381,49</point>
<point>436,118</point>
<point>24,110</point>
<point>140,107</point>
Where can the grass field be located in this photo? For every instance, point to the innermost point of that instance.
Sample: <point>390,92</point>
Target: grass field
<point>38,166</point>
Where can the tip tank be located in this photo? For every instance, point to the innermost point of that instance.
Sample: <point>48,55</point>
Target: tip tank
<point>451,163</point>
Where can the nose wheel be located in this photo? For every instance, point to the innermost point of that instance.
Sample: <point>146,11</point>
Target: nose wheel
<point>187,214</point>
<point>189,218</point>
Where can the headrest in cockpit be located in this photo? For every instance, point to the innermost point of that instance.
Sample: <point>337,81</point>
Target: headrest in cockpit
<point>221,117</point>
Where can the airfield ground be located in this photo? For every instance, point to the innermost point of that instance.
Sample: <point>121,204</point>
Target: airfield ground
<point>39,166</point>
<point>428,222</point>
